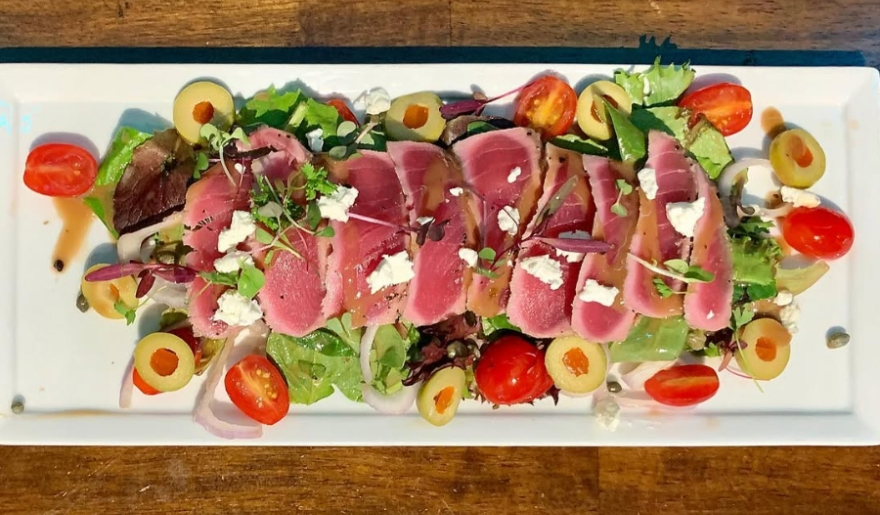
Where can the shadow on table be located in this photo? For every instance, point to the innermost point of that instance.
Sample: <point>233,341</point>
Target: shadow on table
<point>645,53</point>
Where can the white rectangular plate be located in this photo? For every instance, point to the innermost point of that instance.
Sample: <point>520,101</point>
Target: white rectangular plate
<point>68,366</point>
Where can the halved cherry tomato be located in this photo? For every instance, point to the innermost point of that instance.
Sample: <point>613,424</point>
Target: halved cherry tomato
<point>511,371</point>
<point>684,385</point>
<point>142,385</point>
<point>257,388</point>
<point>60,170</point>
<point>727,106</point>
<point>818,232</point>
<point>343,110</point>
<point>548,104</point>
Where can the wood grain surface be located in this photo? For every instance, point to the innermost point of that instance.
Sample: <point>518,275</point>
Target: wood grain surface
<point>459,481</point>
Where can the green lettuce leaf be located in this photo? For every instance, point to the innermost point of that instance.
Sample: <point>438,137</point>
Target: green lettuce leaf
<point>652,339</point>
<point>311,115</point>
<point>270,108</point>
<point>657,84</point>
<point>119,156</point>
<point>312,375</point>
<point>388,358</point>
<point>755,256</point>
<point>630,140</point>
<point>497,323</point>
<point>702,141</point>
<point>577,144</point>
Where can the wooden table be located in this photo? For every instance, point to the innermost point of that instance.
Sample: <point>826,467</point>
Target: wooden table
<point>454,480</point>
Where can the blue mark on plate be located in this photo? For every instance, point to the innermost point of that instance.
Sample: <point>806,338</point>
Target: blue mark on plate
<point>5,118</point>
<point>26,123</point>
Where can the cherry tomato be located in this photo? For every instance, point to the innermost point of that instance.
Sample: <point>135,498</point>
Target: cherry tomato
<point>684,385</point>
<point>142,385</point>
<point>727,106</point>
<point>257,388</point>
<point>343,110</point>
<point>60,170</point>
<point>511,371</point>
<point>548,105</point>
<point>818,232</point>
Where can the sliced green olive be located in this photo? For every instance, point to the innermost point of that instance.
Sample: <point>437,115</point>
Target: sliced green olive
<point>164,361</point>
<point>576,365</point>
<point>797,158</point>
<point>200,103</point>
<point>591,117</point>
<point>767,349</point>
<point>415,117</point>
<point>102,296</point>
<point>439,397</point>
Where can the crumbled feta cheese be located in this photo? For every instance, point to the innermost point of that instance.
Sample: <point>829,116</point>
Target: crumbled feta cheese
<point>595,292</point>
<point>375,101</point>
<point>545,269</point>
<point>648,182</point>
<point>237,310</point>
<point>607,413</point>
<point>514,175</point>
<point>508,220</point>
<point>456,191</point>
<point>783,298</point>
<point>239,167</point>
<point>469,256</point>
<point>316,140</point>
<point>798,197</point>
<point>789,316</point>
<point>684,215</point>
<point>710,315</point>
<point>336,205</point>
<point>393,269</point>
<point>232,262</point>
<point>242,226</point>
<point>424,220</point>
<point>257,167</point>
<point>570,257</point>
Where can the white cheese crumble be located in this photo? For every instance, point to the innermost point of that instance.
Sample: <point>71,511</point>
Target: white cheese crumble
<point>789,316</point>
<point>783,298</point>
<point>798,197</point>
<point>232,262</point>
<point>570,257</point>
<point>424,220</point>
<point>684,215</point>
<point>456,191</point>
<point>393,269</point>
<point>607,413</point>
<point>237,310</point>
<point>375,101</point>
<point>545,269</point>
<point>573,257</point>
<point>595,292</point>
<point>239,167</point>
<point>336,205</point>
<point>469,256</point>
<point>648,182</point>
<point>710,315</point>
<point>508,220</point>
<point>316,140</point>
<point>240,229</point>
<point>514,175</point>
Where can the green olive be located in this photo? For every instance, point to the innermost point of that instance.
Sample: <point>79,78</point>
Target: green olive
<point>439,397</point>
<point>797,158</point>
<point>591,110</point>
<point>102,296</point>
<point>767,349</point>
<point>200,103</point>
<point>164,361</point>
<point>415,117</point>
<point>576,365</point>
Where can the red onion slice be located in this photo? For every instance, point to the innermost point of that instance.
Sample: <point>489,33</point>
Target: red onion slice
<point>127,389</point>
<point>395,404</point>
<point>128,246</point>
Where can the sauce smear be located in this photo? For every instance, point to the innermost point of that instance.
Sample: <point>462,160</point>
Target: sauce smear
<point>772,122</point>
<point>76,218</point>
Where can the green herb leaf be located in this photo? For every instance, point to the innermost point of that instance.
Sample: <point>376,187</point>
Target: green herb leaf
<point>761,291</point>
<point>313,215</point>
<point>485,272</point>
<point>119,155</point>
<point>698,274</point>
<point>741,316</point>
<point>479,127</point>
<point>677,265</point>
<point>497,323</point>
<point>652,339</point>
<point>97,206</point>
<point>662,288</point>
<point>326,232</point>
<point>250,281</point>
<point>312,375</point>
<point>630,140</point>
<point>487,254</point>
<point>657,84</point>
<point>578,144</point>
<point>623,186</point>
<point>712,351</point>
<point>388,359</point>
<point>270,108</point>
<point>325,342</point>
<point>346,128</point>
<point>342,327</point>
<point>210,133</point>
<point>618,209</point>
<point>312,115</point>
<point>201,164</point>
<point>229,279</point>
<point>264,236</point>
<point>240,135</point>
<point>125,311</point>
<point>316,181</point>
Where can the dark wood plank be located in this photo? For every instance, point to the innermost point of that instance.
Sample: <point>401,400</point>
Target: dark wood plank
<point>290,480</point>
<point>375,23</point>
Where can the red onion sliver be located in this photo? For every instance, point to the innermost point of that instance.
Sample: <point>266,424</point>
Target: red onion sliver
<point>395,404</point>
<point>127,389</point>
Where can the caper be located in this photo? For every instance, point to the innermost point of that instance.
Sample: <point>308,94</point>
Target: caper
<point>696,340</point>
<point>82,303</point>
<point>18,406</point>
<point>456,349</point>
<point>614,387</point>
<point>837,339</point>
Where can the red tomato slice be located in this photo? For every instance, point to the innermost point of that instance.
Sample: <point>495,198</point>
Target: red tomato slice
<point>818,232</point>
<point>60,170</point>
<point>142,385</point>
<point>684,385</point>
<point>548,104</point>
<point>727,106</point>
<point>257,388</point>
<point>511,371</point>
<point>343,110</point>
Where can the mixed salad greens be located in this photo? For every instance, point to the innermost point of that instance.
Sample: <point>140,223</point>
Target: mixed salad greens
<point>229,202</point>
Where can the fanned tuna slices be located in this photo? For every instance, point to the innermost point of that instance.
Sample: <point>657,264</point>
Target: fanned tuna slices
<point>359,246</point>
<point>503,170</point>
<point>707,305</point>
<point>605,318</point>
<point>210,203</point>
<point>289,153</point>
<point>439,288</point>
<point>536,307</point>
<point>656,240</point>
